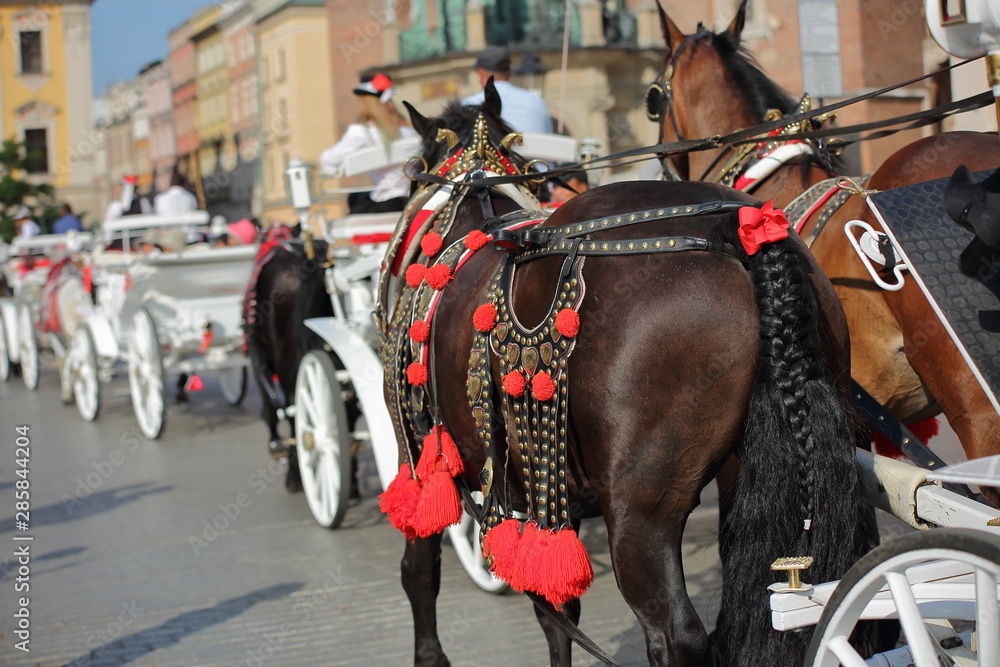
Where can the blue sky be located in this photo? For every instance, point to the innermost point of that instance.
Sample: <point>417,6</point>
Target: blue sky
<point>127,34</point>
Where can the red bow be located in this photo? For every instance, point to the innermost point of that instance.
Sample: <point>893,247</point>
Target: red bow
<point>761,225</point>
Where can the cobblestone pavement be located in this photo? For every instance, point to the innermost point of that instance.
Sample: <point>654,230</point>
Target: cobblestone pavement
<point>189,551</point>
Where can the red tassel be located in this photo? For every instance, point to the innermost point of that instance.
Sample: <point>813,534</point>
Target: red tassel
<point>415,275</point>
<point>526,573</point>
<point>450,452</point>
<point>566,572</point>
<point>542,386</point>
<point>431,243</point>
<point>500,544</point>
<point>485,317</point>
<point>428,456</point>
<point>568,322</point>
<point>439,506</point>
<point>924,430</point>
<point>399,501</point>
<point>416,373</point>
<point>438,276</point>
<point>420,331</point>
<point>476,240</point>
<point>514,384</point>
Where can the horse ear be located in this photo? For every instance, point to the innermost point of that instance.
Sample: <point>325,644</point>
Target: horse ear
<point>417,120</point>
<point>492,101</point>
<point>736,27</point>
<point>672,35</point>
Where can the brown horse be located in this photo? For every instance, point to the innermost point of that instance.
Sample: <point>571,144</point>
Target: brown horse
<point>662,364</point>
<point>900,351</point>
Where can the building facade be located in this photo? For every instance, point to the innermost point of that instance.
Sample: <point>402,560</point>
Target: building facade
<point>45,95</point>
<point>184,93</point>
<point>237,26</point>
<point>156,85</point>
<point>295,94</point>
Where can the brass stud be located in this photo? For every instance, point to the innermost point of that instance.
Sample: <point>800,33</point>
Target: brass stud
<point>671,243</point>
<point>657,244</point>
<point>647,214</point>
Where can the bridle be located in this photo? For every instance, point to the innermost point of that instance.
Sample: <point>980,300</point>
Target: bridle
<point>659,99</point>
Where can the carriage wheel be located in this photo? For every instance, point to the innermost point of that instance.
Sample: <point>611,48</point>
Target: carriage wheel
<point>322,439</point>
<point>28,348</point>
<point>146,376</point>
<point>83,374</point>
<point>885,568</point>
<point>464,537</point>
<point>233,384</point>
<point>4,355</point>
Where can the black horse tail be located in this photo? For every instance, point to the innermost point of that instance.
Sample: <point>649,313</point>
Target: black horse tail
<point>798,491</point>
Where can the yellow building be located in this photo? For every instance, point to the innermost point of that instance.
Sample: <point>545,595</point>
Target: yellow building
<point>216,152</point>
<point>45,94</point>
<point>296,94</point>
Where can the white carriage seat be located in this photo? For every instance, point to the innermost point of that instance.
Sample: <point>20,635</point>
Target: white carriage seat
<point>553,148</point>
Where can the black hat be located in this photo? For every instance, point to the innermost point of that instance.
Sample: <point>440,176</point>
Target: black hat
<point>975,206</point>
<point>493,59</point>
<point>378,85</point>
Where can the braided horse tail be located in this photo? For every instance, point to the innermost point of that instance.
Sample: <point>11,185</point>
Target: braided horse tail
<point>798,492</point>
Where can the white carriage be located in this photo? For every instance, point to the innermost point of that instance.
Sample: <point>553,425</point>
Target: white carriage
<point>353,370</point>
<point>22,336</point>
<point>162,312</point>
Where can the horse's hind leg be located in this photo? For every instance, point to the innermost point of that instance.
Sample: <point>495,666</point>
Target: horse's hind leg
<point>559,644</point>
<point>646,552</point>
<point>421,571</point>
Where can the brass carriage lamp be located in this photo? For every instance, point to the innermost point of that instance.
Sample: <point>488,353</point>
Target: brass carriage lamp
<point>969,29</point>
<point>299,174</point>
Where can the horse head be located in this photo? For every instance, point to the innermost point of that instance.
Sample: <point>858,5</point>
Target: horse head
<point>693,95</point>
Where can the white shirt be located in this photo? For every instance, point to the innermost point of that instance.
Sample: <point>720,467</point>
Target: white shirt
<point>389,182</point>
<point>29,228</point>
<point>522,110</point>
<point>174,201</point>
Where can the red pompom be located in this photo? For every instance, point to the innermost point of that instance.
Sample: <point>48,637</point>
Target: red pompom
<point>415,275</point>
<point>500,544</point>
<point>439,506</point>
<point>566,572</point>
<point>416,374</point>
<point>514,384</point>
<point>431,243</point>
<point>476,240</point>
<point>568,322</point>
<point>438,276</point>
<point>542,386</point>
<point>420,331</point>
<point>399,501</point>
<point>923,430</point>
<point>485,317</point>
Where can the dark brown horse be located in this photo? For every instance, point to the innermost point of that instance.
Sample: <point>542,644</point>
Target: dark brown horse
<point>900,351</point>
<point>679,359</point>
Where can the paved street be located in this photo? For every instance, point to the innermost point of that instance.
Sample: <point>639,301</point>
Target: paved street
<point>189,551</point>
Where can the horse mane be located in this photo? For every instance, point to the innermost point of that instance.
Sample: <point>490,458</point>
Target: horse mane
<point>459,118</point>
<point>760,92</point>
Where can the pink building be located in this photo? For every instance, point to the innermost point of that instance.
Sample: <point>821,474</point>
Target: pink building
<point>184,93</point>
<point>159,108</point>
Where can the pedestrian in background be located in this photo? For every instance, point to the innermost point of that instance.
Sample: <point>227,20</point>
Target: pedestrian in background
<point>67,222</point>
<point>521,109</point>
<point>379,123</point>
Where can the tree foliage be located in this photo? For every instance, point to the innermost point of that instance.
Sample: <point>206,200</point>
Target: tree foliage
<point>16,190</point>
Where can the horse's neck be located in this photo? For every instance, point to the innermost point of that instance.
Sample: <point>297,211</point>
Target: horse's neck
<point>789,181</point>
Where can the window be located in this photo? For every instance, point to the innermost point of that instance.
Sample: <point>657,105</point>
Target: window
<point>36,144</point>
<point>281,65</point>
<point>31,52</point>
